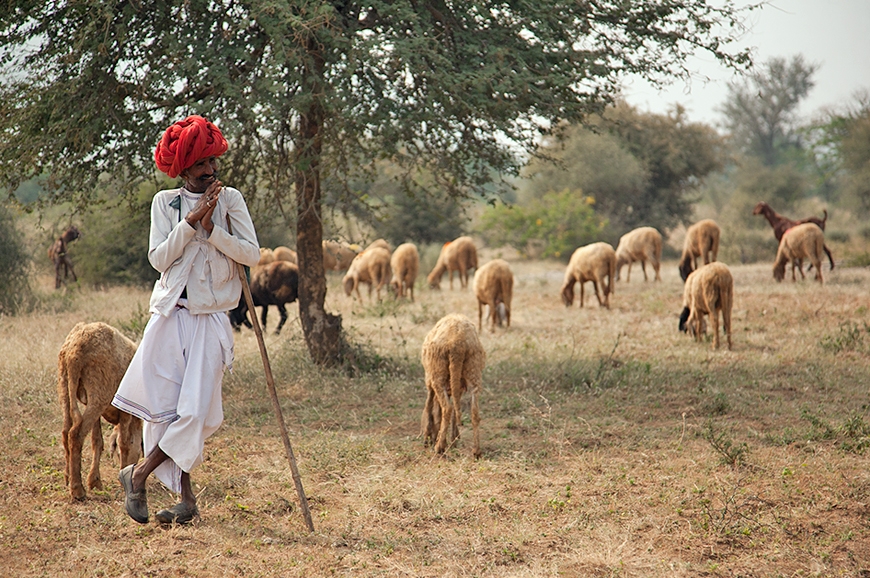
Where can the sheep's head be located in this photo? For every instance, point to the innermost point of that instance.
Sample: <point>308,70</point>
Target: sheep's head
<point>568,292</point>
<point>685,268</point>
<point>348,283</point>
<point>434,279</point>
<point>779,270</point>
<point>684,316</point>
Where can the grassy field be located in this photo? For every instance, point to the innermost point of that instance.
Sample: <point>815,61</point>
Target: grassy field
<point>612,444</point>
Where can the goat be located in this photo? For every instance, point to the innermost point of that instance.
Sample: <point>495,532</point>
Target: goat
<point>782,224</point>
<point>90,365</point>
<point>493,285</point>
<point>642,244</point>
<point>453,359</point>
<point>702,240</point>
<point>798,243</point>
<point>594,263</point>
<point>57,253</point>
<point>709,290</point>
<point>276,283</point>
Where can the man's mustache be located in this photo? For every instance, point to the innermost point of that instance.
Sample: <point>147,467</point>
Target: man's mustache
<point>212,176</point>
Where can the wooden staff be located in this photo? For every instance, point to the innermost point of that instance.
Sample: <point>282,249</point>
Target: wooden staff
<point>270,382</point>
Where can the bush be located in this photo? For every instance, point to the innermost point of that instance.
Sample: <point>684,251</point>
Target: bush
<point>16,293</point>
<point>555,224</point>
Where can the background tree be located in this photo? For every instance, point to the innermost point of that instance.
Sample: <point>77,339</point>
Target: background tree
<point>761,111</point>
<point>309,88</point>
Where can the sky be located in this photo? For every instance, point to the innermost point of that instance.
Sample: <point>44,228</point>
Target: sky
<point>833,34</point>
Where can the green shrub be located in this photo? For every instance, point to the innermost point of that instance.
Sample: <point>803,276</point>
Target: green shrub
<point>16,293</point>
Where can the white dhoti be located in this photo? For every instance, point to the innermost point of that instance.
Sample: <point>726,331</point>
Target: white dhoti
<point>174,385</point>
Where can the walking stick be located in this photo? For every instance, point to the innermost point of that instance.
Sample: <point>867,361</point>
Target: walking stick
<point>270,382</point>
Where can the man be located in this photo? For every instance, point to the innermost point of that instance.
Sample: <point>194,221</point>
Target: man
<point>198,233</point>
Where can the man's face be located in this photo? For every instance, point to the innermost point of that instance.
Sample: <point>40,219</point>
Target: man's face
<point>198,177</point>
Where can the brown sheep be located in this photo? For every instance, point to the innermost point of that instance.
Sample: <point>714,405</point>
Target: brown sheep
<point>493,286</point>
<point>702,240</point>
<point>372,266</point>
<point>799,243</point>
<point>283,253</point>
<point>453,359</point>
<point>380,243</point>
<point>266,256</point>
<point>90,365</point>
<point>405,264</point>
<point>274,284</point>
<point>782,224</point>
<point>458,255</point>
<point>709,290</point>
<point>59,258</point>
<point>642,244</point>
<point>337,256</point>
<point>590,263</point>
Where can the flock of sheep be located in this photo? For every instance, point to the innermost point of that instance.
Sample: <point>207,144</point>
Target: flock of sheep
<point>94,356</point>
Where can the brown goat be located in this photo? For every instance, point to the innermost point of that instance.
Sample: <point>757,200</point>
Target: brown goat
<point>702,240</point>
<point>594,263</point>
<point>782,224</point>
<point>798,243</point>
<point>458,255</point>
<point>58,255</point>
<point>90,365</point>
<point>453,359</point>
<point>709,290</point>
<point>493,285</point>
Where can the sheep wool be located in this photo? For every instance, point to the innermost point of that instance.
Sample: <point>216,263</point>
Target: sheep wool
<point>806,241</point>
<point>642,244</point>
<point>493,286</point>
<point>708,290</point>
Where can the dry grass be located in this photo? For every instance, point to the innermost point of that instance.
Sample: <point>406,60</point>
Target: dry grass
<point>613,445</point>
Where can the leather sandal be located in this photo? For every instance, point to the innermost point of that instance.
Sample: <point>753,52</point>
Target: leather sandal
<point>180,513</point>
<point>136,503</point>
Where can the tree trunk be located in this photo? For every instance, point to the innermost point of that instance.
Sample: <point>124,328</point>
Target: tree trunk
<point>322,330</point>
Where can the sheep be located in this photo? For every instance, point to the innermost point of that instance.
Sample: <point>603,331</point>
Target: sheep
<point>372,266</point>
<point>590,263</point>
<point>702,240</point>
<point>276,283</point>
<point>337,256</point>
<point>57,253</point>
<point>405,264</point>
<point>800,242</point>
<point>285,254</point>
<point>493,286</point>
<point>708,290</point>
<point>266,256</point>
<point>380,243</point>
<point>453,359</point>
<point>781,224</point>
<point>90,365</point>
<point>457,255</point>
<point>642,244</point>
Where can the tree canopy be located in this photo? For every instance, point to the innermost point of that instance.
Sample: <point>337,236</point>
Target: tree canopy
<point>305,88</point>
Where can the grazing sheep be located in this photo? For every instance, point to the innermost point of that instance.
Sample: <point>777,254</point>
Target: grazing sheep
<point>799,243</point>
<point>642,244</point>
<point>708,290</point>
<point>266,256</point>
<point>276,283</point>
<point>405,264</point>
<point>380,243</point>
<point>590,263</point>
<point>453,359</point>
<point>458,255</point>
<point>337,256</point>
<point>58,255</point>
<point>285,254</point>
<point>782,224</point>
<point>90,365</point>
<point>702,240</point>
<point>493,286</point>
<point>372,266</point>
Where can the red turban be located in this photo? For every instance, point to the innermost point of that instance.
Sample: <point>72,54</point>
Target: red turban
<point>186,142</point>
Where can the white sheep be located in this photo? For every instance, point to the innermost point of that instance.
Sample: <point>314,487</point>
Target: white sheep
<point>266,256</point>
<point>594,263</point>
<point>372,267</point>
<point>702,240</point>
<point>90,365</point>
<point>405,264</point>
<point>458,255</point>
<point>283,253</point>
<point>382,243</point>
<point>642,244</point>
<point>493,286</point>
<point>806,241</point>
<point>337,256</point>
<point>708,290</point>
<point>453,359</point>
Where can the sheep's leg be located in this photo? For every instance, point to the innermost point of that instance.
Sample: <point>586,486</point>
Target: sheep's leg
<point>427,420</point>
<point>714,321</point>
<point>263,315</point>
<point>67,425</point>
<point>726,324</point>
<point>450,272</point>
<point>82,424</point>
<point>582,284</point>
<point>57,277</point>
<point>440,391</point>
<point>411,291</point>
<point>94,480</point>
<point>69,266</point>
<point>282,311</point>
<point>457,386</point>
<point>475,420</point>
<point>479,315</point>
<point>643,268</point>
<point>628,273</point>
<point>597,293</point>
